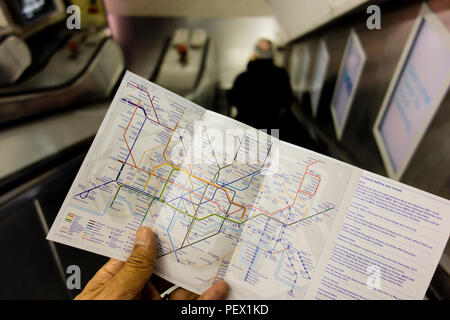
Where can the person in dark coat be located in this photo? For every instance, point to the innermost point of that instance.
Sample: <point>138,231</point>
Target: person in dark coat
<point>263,97</point>
<point>263,91</point>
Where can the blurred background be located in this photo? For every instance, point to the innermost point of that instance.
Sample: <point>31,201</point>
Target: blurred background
<point>348,75</point>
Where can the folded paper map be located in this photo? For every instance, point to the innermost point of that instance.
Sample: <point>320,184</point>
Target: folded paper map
<point>227,201</point>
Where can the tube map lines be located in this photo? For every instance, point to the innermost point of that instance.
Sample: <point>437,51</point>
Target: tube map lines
<point>225,200</point>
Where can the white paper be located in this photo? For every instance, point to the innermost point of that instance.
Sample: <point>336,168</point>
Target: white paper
<point>385,244</point>
<point>234,204</point>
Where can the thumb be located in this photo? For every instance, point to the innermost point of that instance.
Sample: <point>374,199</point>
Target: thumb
<point>134,275</point>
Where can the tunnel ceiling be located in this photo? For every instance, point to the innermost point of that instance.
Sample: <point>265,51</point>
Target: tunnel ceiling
<point>189,8</point>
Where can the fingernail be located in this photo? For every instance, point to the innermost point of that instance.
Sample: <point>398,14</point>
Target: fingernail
<point>142,236</point>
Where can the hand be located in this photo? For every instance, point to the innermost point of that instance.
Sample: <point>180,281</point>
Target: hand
<point>118,280</point>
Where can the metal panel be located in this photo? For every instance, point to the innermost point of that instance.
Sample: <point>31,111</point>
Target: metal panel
<point>44,138</point>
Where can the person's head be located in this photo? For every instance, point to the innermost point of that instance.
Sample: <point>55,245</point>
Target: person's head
<point>263,49</point>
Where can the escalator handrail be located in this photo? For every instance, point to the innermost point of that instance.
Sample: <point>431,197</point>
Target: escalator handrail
<point>64,84</point>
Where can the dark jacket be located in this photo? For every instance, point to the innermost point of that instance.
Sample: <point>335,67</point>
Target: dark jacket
<point>260,93</point>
